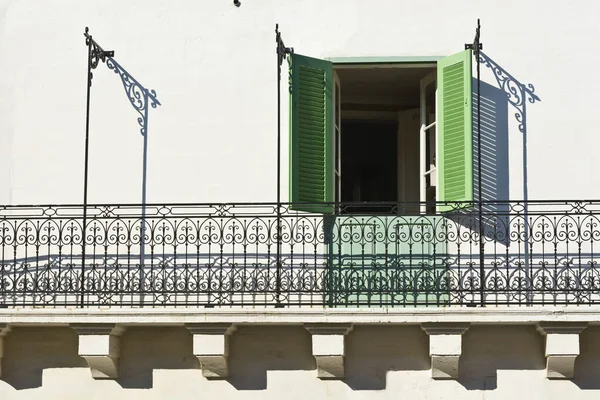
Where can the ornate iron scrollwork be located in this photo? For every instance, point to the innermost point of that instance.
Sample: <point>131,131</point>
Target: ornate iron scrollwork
<point>225,255</point>
<point>97,53</point>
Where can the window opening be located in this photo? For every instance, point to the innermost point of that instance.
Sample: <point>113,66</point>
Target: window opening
<point>380,109</point>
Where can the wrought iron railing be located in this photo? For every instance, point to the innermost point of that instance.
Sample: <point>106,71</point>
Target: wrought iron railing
<point>363,255</point>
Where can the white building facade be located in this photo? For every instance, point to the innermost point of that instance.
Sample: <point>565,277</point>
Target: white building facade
<point>412,213</point>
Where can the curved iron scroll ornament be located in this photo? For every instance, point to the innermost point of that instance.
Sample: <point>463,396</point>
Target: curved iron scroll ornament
<point>139,96</point>
<point>97,53</point>
<point>518,93</point>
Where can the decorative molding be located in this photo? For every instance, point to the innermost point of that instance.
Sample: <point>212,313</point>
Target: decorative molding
<point>445,328</point>
<point>562,347</point>
<point>328,329</point>
<point>404,60</point>
<point>161,316</point>
<point>99,345</point>
<point>211,347</point>
<point>546,328</point>
<point>328,348</point>
<point>445,348</point>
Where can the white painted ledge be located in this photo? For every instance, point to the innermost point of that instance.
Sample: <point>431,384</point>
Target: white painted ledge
<point>445,348</point>
<point>297,316</point>
<point>211,348</point>
<point>562,347</point>
<point>99,345</point>
<point>328,348</point>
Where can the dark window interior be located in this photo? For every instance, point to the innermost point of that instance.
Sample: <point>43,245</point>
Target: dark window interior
<point>369,161</point>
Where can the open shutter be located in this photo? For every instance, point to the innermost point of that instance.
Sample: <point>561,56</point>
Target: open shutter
<point>311,140</point>
<point>455,142</point>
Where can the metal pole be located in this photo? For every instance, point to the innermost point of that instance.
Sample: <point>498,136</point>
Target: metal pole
<point>481,227</point>
<point>143,227</point>
<point>95,55</point>
<point>281,52</point>
<point>278,272</point>
<point>85,168</point>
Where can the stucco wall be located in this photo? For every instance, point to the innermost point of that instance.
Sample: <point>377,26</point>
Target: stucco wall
<point>213,66</point>
<point>498,362</point>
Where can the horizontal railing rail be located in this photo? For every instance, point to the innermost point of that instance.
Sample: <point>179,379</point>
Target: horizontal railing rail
<point>361,255</point>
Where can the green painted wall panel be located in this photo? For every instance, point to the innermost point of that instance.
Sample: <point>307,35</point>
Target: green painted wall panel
<point>387,260</point>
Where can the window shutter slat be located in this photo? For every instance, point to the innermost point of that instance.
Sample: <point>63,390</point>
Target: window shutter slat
<point>455,133</point>
<point>311,126</point>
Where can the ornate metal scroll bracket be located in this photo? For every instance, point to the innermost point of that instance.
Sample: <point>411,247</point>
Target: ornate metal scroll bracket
<point>518,94</point>
<point>476,46</point>
<point>282,51</point>
<point>97,53</point>
<point>139,97</point>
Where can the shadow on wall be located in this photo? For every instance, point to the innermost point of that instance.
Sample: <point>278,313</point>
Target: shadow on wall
<point>486,350</point>
<point>141,100</point>
<point>587,364</point>
<point>257,349</point>
<point>495,180</point>
<point>28,351</point>
<point>494,145</point>
<point>517,95</point>
<point>145,349</point>
<point>373,351</point>
<point>495,171</point>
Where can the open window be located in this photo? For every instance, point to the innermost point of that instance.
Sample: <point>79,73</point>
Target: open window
<point>380,132</point>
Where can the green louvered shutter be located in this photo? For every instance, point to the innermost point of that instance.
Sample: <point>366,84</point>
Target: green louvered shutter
<point>311,127</point>
<point>455,142</point>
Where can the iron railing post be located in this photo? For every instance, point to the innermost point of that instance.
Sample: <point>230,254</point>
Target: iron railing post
<point>278,261</point>
<point>86,165</point>
<point>143,227</point>
<point>281,53</point>
<point>476,47</point>
<point>95,54</point>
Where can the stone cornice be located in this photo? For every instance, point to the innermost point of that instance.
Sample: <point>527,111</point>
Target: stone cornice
<point>298,316</point>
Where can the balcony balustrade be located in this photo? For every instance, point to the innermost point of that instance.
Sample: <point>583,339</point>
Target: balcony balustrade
<point>362,255</point>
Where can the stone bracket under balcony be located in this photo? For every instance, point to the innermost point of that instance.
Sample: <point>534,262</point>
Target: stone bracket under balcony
<point>328,348</point>
<point>4,329</point>
<point>562,347</point>
<point>445,348</point>
<point>211,347</point>
<point>99,345</point>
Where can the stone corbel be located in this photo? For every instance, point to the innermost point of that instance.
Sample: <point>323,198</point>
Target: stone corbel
<point>99,345</point>
<point>562,347</point>
<point>4,329</point>
<point>328,348</point>
<point>445,348</point>
<point>211,347</point>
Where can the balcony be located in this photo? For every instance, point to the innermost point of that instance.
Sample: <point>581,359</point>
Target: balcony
<point>363,255</point>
